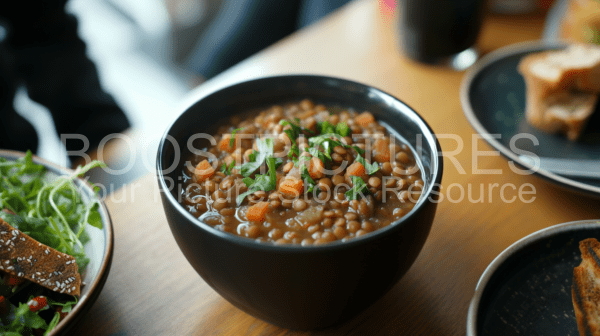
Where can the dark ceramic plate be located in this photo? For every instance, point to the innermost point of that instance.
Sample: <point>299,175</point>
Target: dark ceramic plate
<point>493,100</point>
<point>526,290</point>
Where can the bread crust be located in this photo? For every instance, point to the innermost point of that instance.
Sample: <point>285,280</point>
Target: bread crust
<point>562,88</point>
<point>24,257</point>
<point>585,290</point>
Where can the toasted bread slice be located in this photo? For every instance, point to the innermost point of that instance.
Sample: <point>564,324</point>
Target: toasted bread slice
<point>576,67</point>
<point>24,257</point>
<point>585,290</point>
<point>562,88</point>
<point>566,113</point>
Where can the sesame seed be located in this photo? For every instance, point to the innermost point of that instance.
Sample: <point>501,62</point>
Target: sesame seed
<point>10,268</point>
<point>58,256</point>
<point>42,280</point>
<point>47,251</point>
<point>62,291</point>
<point>7,242</point>
<point>57,284</point>
<point>3,232</point>
<point>15,232</point>
<point>20,274</point>
<point>38,273</point>
<point>73,288</point>
<point>22,239</point>
<point>7,262</point>
<point>33,276</point>
<point>55,289</point>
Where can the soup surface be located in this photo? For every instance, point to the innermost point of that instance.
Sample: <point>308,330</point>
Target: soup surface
<point>302,174</point>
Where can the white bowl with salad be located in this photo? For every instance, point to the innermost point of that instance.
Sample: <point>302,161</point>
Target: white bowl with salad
<point>56,245</point>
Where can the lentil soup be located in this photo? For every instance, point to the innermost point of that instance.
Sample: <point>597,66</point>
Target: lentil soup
<point>302,174</point>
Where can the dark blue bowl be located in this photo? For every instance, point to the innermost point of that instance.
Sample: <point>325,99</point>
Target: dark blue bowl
<point>292,286</point>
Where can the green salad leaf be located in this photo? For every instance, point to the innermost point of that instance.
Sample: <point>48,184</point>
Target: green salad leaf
<point>49,209</point>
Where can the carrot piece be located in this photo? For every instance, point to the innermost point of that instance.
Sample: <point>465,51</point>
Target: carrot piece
<point>316,168</point>
<point>204,171</point>
<point>356,169</point>
<point>257,212</point>
<point>225,144</point>
<point>291,187</point>
<point>364,119</point>
<point>381,151</point>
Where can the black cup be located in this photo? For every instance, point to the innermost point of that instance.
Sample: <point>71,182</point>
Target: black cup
<point>437,31</point>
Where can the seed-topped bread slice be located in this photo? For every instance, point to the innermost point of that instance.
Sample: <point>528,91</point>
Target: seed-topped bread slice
<point>24,257</point>
<point>585,291</point>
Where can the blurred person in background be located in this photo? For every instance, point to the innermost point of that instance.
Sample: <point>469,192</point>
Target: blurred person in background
<point>40,50</point>
<point>244,27</point>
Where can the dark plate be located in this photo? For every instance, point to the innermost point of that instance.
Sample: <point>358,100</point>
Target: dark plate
<point>493,100</point>
<point>526,290</point>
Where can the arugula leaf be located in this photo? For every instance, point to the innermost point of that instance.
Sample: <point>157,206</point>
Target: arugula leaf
<point>50,211</point>
<point>53,323</point>
<point>371,168</point>
<point>266,182</point>
<point>93,216</point>
<point>265,150</point>
<point>26,318</point>
<point>232,139</point>
<point>359,187</point>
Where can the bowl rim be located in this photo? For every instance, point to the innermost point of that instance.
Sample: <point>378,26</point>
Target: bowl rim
<point>435,183</point>
<point>97,283</point>
<point>465,98</point>
<point>516,247</point>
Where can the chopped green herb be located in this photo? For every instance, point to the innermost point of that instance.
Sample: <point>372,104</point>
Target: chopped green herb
<point>359,188</point>
<point>371,168</point>
<point>342,129</point>
<point>294,152</point>
<point>257,158</point>
<point>232,139</point>
<point>306,176</point>
<point>359,150</point>
<point>326,127</point>
<point>266,182</point>
<point>227,169</point>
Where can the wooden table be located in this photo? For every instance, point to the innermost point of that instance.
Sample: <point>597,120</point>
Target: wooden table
<point>151,289</point>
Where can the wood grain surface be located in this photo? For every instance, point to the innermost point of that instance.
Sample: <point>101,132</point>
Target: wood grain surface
<point>152,290</point>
